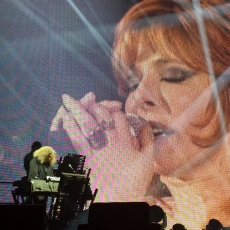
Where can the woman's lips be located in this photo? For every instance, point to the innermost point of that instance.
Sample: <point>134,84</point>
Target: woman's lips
<point>136,122</point>
<point>160,130</point>
<point>163,135</point>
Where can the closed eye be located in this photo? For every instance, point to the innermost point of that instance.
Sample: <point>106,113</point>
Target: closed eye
<point>174,80</point>
<point>176,75</point>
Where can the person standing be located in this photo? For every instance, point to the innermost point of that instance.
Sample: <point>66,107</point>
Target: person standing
<point>28,157</point>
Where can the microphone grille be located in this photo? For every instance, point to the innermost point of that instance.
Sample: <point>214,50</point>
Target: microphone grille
<point>136,122</point>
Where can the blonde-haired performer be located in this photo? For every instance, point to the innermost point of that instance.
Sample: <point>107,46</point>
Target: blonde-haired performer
<point>41,164</point>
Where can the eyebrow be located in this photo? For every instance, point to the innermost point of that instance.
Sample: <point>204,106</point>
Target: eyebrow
<point>158,60</point>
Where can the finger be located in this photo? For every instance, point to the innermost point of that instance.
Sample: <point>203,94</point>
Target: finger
<point>78,140</point>
<point>88,100</point>
<point>123,129</point>
<point>100,113</point>
<point>57,120</point>
<point>135,143</point>
<point>112,106</point>
<point>143,165</point>
<point>146,138</point>
<point>85,121</point>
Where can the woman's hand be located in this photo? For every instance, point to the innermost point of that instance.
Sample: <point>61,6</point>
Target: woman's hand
<point>121,165</point>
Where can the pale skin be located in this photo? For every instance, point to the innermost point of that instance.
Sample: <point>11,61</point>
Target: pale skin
<point>120,152</point>
<point>179,102</point>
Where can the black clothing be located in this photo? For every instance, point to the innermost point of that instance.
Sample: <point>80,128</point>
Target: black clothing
<point>38,170</point>
<point>27,159</point>
<point>82,218</point>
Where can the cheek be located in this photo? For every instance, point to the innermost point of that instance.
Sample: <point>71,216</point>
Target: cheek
<point>194,111</point>
<point>174,157</point>
<point>186,100</point>
<point>181,102</point>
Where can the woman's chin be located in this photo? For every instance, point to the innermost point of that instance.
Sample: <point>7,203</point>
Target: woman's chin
<point>163,170</point>
<point>172,154</point>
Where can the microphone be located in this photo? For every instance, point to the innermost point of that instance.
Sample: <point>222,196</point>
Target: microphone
<point>70,166</point>
<point>136,122</point>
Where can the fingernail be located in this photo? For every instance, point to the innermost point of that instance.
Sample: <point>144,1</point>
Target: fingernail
<point>89,95</point>
<point>56,120</point>
<point>66,99</point>
<point>118,104</point>
<point>88,99</point>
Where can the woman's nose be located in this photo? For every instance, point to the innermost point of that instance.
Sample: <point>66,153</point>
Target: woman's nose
<point>142,98</point>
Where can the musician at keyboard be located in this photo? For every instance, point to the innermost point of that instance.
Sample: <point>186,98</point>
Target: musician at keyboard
<point>41,166</point>
<point>42,163</point>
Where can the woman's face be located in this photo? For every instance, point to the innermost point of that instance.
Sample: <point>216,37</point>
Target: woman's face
<point>179,104</point>
<point>48,158</point>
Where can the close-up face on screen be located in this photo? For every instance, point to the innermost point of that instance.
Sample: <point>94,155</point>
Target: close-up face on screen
<point>139,89</point>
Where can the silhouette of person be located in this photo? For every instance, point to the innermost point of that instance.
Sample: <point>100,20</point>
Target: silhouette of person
<point>28,157</point>
<point>214,224</point>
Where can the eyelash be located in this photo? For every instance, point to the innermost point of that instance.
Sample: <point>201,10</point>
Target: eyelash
<point>180,76</point>
<point>174,80</point>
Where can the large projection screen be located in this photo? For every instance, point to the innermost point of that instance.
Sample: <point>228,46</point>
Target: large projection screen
<point>139,87</point>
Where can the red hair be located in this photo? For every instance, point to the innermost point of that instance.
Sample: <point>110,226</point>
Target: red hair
<point>171,28</point>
